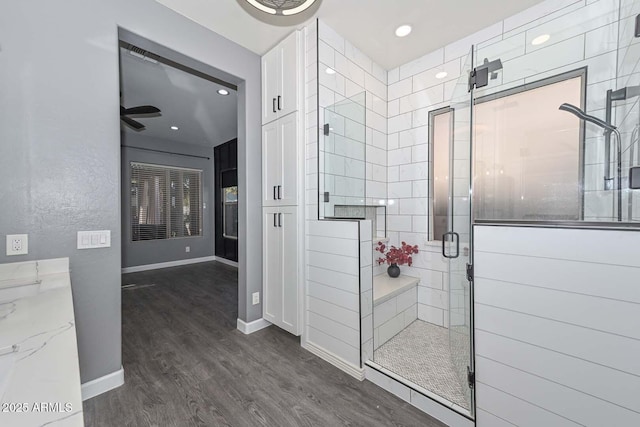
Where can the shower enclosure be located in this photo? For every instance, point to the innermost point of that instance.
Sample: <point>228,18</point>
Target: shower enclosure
<point>501,152</point>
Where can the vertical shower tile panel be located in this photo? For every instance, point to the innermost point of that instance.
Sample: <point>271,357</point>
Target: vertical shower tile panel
<point>333,288</point>
<point>393,315</point>
<point>575,311</point>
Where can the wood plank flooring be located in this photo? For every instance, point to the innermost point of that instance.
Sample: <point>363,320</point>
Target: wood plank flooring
<point>186,364</point>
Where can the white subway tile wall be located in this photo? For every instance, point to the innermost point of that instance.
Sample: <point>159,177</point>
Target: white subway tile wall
<point>575,312</point>
<point>582,33</point>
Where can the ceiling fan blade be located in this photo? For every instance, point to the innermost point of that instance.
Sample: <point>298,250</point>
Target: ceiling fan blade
<point>143,109</point>
<point>134,124</point>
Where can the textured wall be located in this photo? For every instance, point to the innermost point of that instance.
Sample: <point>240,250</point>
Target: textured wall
<point>60,145</point>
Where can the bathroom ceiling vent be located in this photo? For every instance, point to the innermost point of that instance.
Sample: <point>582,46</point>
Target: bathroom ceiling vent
<point>282,7</point>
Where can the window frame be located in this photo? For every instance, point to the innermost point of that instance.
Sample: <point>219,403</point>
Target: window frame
<point>547,81</point>
<point>224,212</point>
<point>167,203</point>
<point>431,161</point>
<point>579,72</point>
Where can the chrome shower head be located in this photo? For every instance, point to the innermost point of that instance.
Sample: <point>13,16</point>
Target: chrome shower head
<point>586,117</point>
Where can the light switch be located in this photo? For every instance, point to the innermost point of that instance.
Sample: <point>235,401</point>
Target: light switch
<point>94,239</point>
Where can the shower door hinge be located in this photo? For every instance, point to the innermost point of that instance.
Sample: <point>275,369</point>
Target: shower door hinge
<point>478,78</point>
<point>471,377</point>
<point>470,272</point>
<point>326,129</point>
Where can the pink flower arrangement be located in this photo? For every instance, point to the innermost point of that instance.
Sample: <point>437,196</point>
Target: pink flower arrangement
<point>398,256</point>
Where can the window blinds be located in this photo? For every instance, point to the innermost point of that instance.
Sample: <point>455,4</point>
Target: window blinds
<point>166,202</point>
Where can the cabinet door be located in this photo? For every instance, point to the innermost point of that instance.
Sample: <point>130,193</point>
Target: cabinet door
<point>290,276</point>
<point>271,266</point>
<point>271,163</point>
<point>288,78</point>
<point>288,129</point>
<point>270,85</point>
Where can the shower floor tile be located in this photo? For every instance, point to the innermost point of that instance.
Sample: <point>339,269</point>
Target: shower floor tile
<point>420,353</point>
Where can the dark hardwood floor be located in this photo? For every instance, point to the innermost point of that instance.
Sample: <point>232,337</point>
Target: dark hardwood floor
<point>186,364</point>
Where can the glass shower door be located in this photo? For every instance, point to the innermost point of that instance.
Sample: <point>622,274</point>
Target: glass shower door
<point>457,242</point>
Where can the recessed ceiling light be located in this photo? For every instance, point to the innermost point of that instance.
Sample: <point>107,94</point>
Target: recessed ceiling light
<point>174,128</point>
<point>540,39</point>
<point>330,70</point>
<point>441,75</point>
<point>223,92</point>
<point>403,30</point>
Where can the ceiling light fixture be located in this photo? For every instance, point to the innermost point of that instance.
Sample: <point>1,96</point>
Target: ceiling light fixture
<point>442,75</point>
<point>281,7</point>
<point>403,30</point>
<point>540,39</point>
<point>174,128</point>
<point>223,92</point>
<point>330,71</point>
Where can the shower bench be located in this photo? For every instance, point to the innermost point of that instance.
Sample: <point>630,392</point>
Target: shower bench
<point>395,306</point>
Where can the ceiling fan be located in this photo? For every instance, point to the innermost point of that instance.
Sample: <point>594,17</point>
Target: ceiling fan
<point>136,111</point>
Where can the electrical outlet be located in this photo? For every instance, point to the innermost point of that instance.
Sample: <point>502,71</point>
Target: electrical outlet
<point>17,244</point>
<point>187,249</point>
<point>256,298</point>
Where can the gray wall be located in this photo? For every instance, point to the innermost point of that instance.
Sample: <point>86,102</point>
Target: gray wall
<point>156,251</point>
<point>60,144</point>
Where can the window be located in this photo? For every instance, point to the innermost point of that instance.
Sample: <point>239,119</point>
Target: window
<point>166,202</point>
<point>230,212</point>
<point>527,155</point>
<point>440,124</point>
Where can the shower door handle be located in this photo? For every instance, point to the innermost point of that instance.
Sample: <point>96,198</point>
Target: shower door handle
<point>456,238</point>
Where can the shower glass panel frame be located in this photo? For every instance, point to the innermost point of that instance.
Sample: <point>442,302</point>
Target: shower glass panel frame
<point>457,243</point>
<point>342,159</point>
<point>435,360</point>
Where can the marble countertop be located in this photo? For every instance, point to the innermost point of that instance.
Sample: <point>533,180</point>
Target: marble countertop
<point>39,370</point>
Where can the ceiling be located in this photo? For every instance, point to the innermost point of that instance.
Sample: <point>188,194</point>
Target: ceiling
<point>191,103</point>
<point>368,24</point>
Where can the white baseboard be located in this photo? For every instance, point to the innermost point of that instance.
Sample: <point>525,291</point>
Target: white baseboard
<point>338,362</point>
<point>251,327</point>
<point>227,261</point>
<point>148,267</point>
<point>103,384</point>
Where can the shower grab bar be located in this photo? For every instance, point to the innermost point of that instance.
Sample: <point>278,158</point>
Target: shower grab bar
<point>456,237</point>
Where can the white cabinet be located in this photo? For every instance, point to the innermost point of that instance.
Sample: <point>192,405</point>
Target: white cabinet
<point>280,161</point>
<point>280,268</point>
<point>282,183</point>
<point>280,79</point>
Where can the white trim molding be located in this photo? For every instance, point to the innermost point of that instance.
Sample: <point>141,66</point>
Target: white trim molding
<point>147,267</point>
<point>251,327</point>
<point>338,362</point>
<point>103,384</point>
<point>226,261</point>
